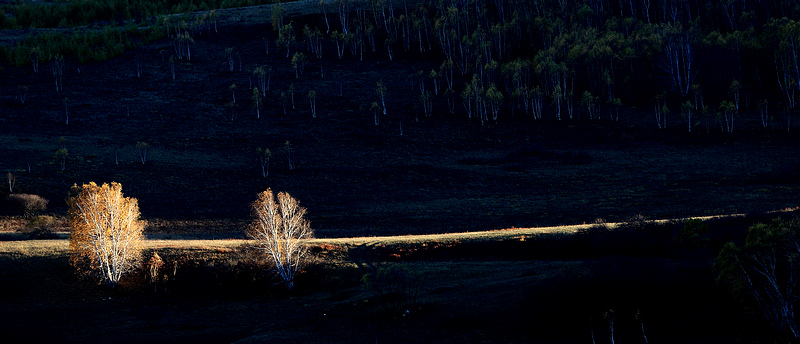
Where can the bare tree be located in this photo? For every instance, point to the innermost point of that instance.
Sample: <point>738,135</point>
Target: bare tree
<point>34,56</point>
<point>609,315</point>
<point>66,110</point>
<point>641,324</point>
<point>139,65</point>
<point>375,107</point>
<point>172,66</point>
<point>325,15</point>
<point>381,90</point>
<point>231,61</point>
<point>12,180</point>
<point>291,94</point>
<point>257,99</point>
<point>344,11</point>
<point>57,67</point>
<point>106,233</point>
<point>678,60</point>
<point>182,43</point>
<point>22,94</point>
<point>728,110</point>
<point>280,229</point>
<point>688,110</point>
<point>233,110</point>
<point>763,110</point>
<point>263,160</point>
<point>141,149</point>
<point>312,99</point>
<point>290,156</point>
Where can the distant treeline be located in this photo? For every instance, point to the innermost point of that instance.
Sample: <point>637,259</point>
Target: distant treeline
<point>82,46</point>
<point>704,58</point>
<point>69,13</point>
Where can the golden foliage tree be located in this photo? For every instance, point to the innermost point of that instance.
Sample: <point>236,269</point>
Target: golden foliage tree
<point>279,229</point>
<point>106,231</point>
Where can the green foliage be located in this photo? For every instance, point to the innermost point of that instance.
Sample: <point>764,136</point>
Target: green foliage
<point>40,227</point>
<point>761,274</point>
<point>694,233</point>
<point>82,46</point>
<point>395,284</point>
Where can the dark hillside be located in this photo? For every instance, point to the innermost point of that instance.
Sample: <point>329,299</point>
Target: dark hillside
<point>414,172</point>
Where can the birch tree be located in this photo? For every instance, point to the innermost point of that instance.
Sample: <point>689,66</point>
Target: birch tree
<point>106,236</point>
<point>57,67</point>
<point>374,107</point>
<point>263,160</point>
<point>728,110</point>
<point>12,180</point>
<point>277,16</point>
<point>380,89</point>
<point>291,157</point>
<point>141,150</point>
<point>231,60</point>
<point>763,110</point>
<point>298,63</point>
<point>764,271</point>
<point>285,37</point>
<point>678,60</point>
<point>257,99</point>
<point>34,57</point>
<point>280,230</point>
<point>22,94</point>
<point>263,76</point>
<point>687,111</point>
<point>61,157</point>
<point>312,100</point>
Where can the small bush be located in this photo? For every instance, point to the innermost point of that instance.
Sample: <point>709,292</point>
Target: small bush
<point>154,265</point>
<point>394,284</point>
<point>26,204</point>
<point>40,227</point>
<point>694,233</point>
<point>636,222</point>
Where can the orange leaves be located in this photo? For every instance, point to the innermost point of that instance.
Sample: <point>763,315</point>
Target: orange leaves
<point>106,230</point>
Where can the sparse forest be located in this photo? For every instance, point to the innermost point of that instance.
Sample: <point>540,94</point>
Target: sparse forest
<point>718,61</point>
<point>408,128</point>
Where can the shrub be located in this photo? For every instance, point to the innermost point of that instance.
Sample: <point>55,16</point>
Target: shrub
<point>40,227</point>
<point>154,268</point>
<point>694,233</point>
<point>395,284</point>
<point>27,205</point>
